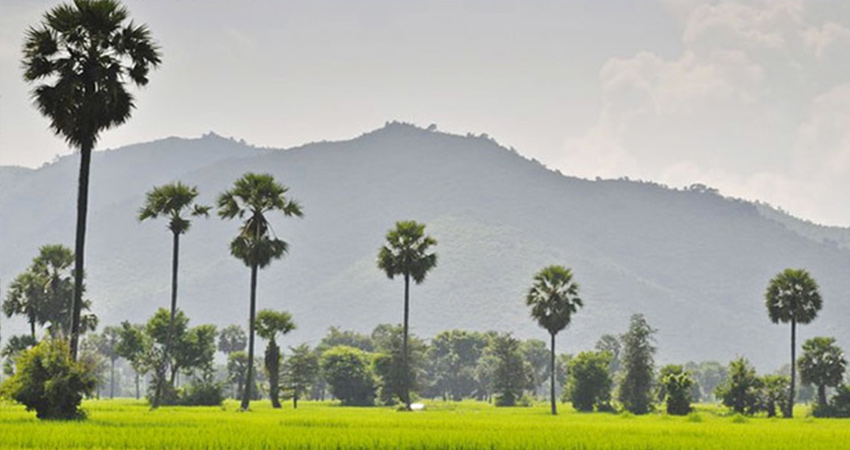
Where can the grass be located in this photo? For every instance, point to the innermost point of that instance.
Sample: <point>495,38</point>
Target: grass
<point>128,424</point>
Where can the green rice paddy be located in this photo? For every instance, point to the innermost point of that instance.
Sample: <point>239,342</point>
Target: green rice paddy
<point>129,424</point>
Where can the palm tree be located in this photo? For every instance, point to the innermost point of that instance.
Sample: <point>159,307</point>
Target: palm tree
<point>253,196</point>
<point>269,324</point>
<point>792,296</point>
<point>406,254</point>
<point>553,299</point>
<point>25,297</point>
<point>172,201</point>
<point>82,55</point>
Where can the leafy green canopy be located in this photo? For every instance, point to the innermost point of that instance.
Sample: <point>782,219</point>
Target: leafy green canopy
<point>793,294</point>
<point>253,196</point>
<point>553,298</point>
<point>84,53</point>
<point>406,252</point>
<point>172,200</point>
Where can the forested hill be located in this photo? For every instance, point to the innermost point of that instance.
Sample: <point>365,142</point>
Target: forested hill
<point>694,262</point>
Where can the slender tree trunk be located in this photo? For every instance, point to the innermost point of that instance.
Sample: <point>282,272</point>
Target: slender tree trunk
<point>552,377</point>
<point>405,381</point>
<point>249,377</point>
<point>793,366</point>
<point>822,395</point>
<point>295,400</point>
<point>112,379</point>
<point>137,385</point>
<point>163,367</point>
<point>273,368</point>
<point>32,328</point>
<point>80,244</point>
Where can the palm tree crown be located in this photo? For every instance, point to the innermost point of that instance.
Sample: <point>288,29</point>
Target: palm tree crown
<point>793,294</point>
<point>406,252</point>
<point>270,323</point>
<point>253,195</point>
<point>85,53</point>
<point>172,200</point>
<point>553,298</point>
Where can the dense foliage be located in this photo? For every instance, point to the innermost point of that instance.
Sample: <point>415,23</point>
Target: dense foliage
<point>638,365</point>
<point>590,382</point>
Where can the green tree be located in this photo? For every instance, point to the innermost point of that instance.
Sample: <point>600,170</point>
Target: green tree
<point>237,370</point>
<point>638,366</point>
<point>589,381</point>
<point>133,343</point>
<point>300,371</point>
<point>254,196</point>
<point>822,364</point>
<point>349,375</point>
<point>511,373</point>
<point>611,344</point>
<point>741,389</point>
<point>453,356</point>
<point>406,254</point>
<point>269,325</point>
<point>81,56</point>
<point>50,382</point>
<point>159,327</point>
<point>774,388</point>
<point>792,296</point>
<point>677,383</point>
<point>108,347</point>
<point>13,348</point>
<point>195,353</point>
<point>25,297</point>
<point>173,201</point>
<point>389,365</point>
<point>231,339</point>
<point>553,299</point>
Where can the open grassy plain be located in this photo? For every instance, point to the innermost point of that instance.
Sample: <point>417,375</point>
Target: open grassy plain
<point>126,424</point>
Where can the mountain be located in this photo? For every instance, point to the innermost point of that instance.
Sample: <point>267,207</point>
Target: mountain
<point>694,262</point>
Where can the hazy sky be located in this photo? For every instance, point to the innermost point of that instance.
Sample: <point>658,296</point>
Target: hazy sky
<point>750,97</point>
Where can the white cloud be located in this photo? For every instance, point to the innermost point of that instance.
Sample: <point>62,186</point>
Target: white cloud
<point>756,104</point>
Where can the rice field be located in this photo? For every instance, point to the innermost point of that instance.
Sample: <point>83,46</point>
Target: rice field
<point>128,424</point>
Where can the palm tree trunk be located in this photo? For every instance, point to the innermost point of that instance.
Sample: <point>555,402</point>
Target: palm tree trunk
<point>249,377</point>
<point>552,377</point>
<point>32,328</point>
<point>790,413</point>
<point>137,385</point>
<point>79,246</point>
<point>157,399</point>
<point>295,400</point>
<point>405,382</point>
<point>822,395</point>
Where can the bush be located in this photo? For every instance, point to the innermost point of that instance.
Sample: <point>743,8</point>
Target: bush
<point>677,387</point>
<point>50,382</point>
<point>202,393</point>
<point>348,373</point>
<point>741,389</point>
<point>589,381</point>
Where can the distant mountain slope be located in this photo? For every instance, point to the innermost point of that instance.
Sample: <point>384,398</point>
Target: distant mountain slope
<point>694,262</point>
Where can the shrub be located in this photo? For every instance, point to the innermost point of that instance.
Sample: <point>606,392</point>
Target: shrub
<point>50,382</point>
<point>590,381</point>
<point>348,373</point>
<point>202,393</point>
<point>741,390</point>
<point>677,387</point>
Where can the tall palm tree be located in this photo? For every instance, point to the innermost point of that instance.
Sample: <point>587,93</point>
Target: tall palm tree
<point>553,299</point>
<point>251,198</point>
<point>792,296</point>
<point>269,324</point>
<point>82,55</point>
<point>406,254</point>
<point>173,201</point>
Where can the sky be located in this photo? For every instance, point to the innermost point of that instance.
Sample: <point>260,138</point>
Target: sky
<point>752,98</point>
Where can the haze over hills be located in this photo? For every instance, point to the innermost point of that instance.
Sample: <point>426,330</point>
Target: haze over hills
<point>694,262</point>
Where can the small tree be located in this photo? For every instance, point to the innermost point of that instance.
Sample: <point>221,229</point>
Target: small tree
<point>396,374</point>
<point>589,381</point>
<point>774,388</point>
<point>638,367</point>
<point>677,383</point>
<point>133,343</point>
<point>269,325</point>
<point>237,369</point>
<point>231,339</point>
<point>109,348</point>
<point>50,382</point>
<point>611,344</point>
<point>792,296</point>
<point>511,374</point>
<point>741,389</point>
<point>300,371</point>
<point>822,364</point>
<point>348,373</point>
